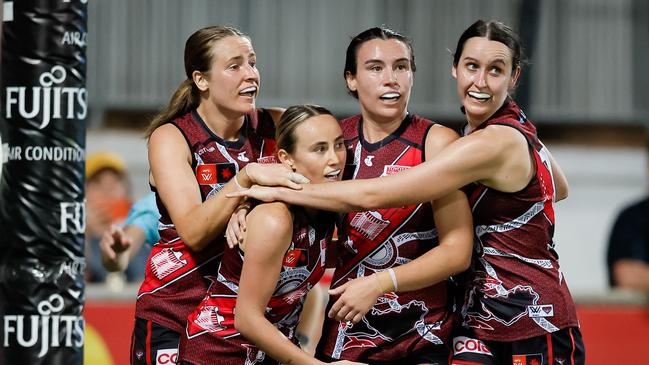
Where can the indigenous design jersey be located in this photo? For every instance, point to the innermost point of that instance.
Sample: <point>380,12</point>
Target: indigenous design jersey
<point>174,279</point>
<point>517,290</point>
<point>210,332</point>
<point>399,323</point>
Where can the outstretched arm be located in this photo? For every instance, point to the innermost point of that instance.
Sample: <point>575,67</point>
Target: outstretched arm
<point>119,245</point>
<point>497,156</point>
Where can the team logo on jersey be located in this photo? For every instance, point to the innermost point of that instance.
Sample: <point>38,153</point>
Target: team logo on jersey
<point>295,258</point>
<point>166,262</point>
<point>211,174</point>
<point>369,224</point>
<point>368,160</point>
<point>209,319</point>
<point>214,315</point>
<point>242,156</point>
<point>393,169</point>
<point>538,311</point>
<point>535,359</point>
<point>267,160</point>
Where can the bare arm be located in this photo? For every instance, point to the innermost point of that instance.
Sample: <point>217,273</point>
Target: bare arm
<point>496,156</point>
<point>311,318</point>
<point>269,235</point>
<point>561,187</point>
<point>199,222</point>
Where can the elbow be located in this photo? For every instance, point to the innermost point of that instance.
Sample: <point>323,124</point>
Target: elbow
<point>561,189</point>
<point>463,263</point>
<point>458,255</point>
<point>241,323</point>
<point>460,262</point>
<point>369,200</point>
<point>562,193</point>
<point>364,204</point>
<point>191,239</point>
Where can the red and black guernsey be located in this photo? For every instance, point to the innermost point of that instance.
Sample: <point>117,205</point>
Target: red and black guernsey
<point>373,241</point>
<point>174,280</point>
<point>210,334</point>
<point>517,289</point>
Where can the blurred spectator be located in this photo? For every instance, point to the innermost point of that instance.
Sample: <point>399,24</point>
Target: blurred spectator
<point>118,245</point>
<point>628,246</point>
<point>108,201</point>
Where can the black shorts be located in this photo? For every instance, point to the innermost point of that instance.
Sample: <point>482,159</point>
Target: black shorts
<point>563,347</point>
<point>437,355</point>
<point>153,344</point>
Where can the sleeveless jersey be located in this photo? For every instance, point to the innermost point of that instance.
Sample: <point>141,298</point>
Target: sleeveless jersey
<point>210,332</point>
<point>174,278</point>
<point>373,241</point>
<point>517,290</point>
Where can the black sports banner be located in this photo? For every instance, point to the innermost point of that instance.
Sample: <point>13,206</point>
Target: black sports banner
<point>42,218</point>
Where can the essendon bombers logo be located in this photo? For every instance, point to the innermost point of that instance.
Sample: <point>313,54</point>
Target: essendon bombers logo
<point>369,224</point>
<point>211,174</point>
<point>166,262</point>
<point>538,311</point>
<point>214,315</point>
<point>209,319</point>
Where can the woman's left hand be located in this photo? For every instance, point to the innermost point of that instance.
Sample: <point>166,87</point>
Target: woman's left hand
<point>357,297</point>
<point>236,229</point>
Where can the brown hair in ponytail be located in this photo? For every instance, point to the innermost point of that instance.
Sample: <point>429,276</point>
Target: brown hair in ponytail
<point>198,57</point>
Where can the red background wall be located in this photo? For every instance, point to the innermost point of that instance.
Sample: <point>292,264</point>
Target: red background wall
<point>613,334</point>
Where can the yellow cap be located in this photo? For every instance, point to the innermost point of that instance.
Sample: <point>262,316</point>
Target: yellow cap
<point>103,160</point>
